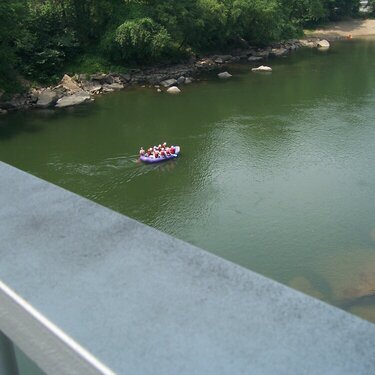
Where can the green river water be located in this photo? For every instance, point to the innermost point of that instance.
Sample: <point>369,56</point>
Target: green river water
<point>276,171</point>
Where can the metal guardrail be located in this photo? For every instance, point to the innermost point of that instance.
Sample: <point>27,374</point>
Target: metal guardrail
<point>41,340</point>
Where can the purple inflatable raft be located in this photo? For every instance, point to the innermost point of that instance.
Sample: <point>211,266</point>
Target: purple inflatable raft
<point>151,159</point>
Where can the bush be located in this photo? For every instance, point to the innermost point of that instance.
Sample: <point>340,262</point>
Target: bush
<point>141,40</point>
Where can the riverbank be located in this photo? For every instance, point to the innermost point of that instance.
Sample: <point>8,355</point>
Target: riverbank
<point>77,89</point>
<point>354,28</point>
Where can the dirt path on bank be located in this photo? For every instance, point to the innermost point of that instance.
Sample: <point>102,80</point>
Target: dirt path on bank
<point>355,28</point>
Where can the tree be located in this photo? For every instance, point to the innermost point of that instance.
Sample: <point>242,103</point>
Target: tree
<point>141,40</point>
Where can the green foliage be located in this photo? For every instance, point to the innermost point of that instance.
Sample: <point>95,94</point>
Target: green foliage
<point>342,8</point>
<point>11,15</point>
<point>141,39</point>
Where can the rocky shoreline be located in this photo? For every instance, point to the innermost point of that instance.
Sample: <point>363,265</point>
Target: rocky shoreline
<point>82,88</point>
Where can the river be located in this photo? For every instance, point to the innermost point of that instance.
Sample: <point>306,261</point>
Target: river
<point>276,171</point>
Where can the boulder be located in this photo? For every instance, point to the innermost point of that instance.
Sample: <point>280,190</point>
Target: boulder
<point>188,80</point>
<point>308,43</point>
<point>112,87</point>
<point>93,87</point>
<point>69,84</point>
<point>169,82</point>
<point>255,58</point>
<point>102,78</point>
<point>262,68</point>
<point>3,111</point>
<point>46,98</point>
<point>174,90</point>
<point>74,99</point>
<point>18,101</point>
<point>262,53</point>
<point>303,285</point>
<point>224,75</point>
<point>223,58</point>
<point>125,77</point>
<point>180,80</point>
<point>323,44</point>
<point>158,90</point>
<point>277,52</point>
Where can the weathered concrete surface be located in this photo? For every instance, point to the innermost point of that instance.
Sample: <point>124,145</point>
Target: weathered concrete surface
<point>146,303</point>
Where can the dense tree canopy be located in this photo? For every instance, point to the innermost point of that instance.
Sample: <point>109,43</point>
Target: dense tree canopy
<point>41,38</point>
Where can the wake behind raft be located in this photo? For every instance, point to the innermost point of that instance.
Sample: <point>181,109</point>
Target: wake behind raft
<point>152,159</point>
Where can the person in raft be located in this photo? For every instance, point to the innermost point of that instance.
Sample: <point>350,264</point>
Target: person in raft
<point>141,152</point>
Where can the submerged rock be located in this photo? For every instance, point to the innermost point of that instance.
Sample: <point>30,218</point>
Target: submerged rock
<point>75,99</point>
<point>174,90</point>
<point>224,75</point>
<point>351,277</point>
<point>303,285</point>
<point>255,58</point>
<point>262,68</point>
<point>188,80</point>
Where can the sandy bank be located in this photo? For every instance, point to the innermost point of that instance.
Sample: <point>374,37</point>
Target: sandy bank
<point>355,28</point>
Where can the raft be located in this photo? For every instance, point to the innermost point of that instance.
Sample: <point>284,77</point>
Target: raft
<point>152,160</point>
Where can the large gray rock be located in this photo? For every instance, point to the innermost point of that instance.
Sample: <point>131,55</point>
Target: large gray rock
<point>46,98</point>
<point>174,90</point>
<point>75,99</point>
<point>70,84</point>
<point>224,75</point>
<point>169,82</point>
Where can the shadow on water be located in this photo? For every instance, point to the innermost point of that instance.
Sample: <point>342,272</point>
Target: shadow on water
<point>35,120</point>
